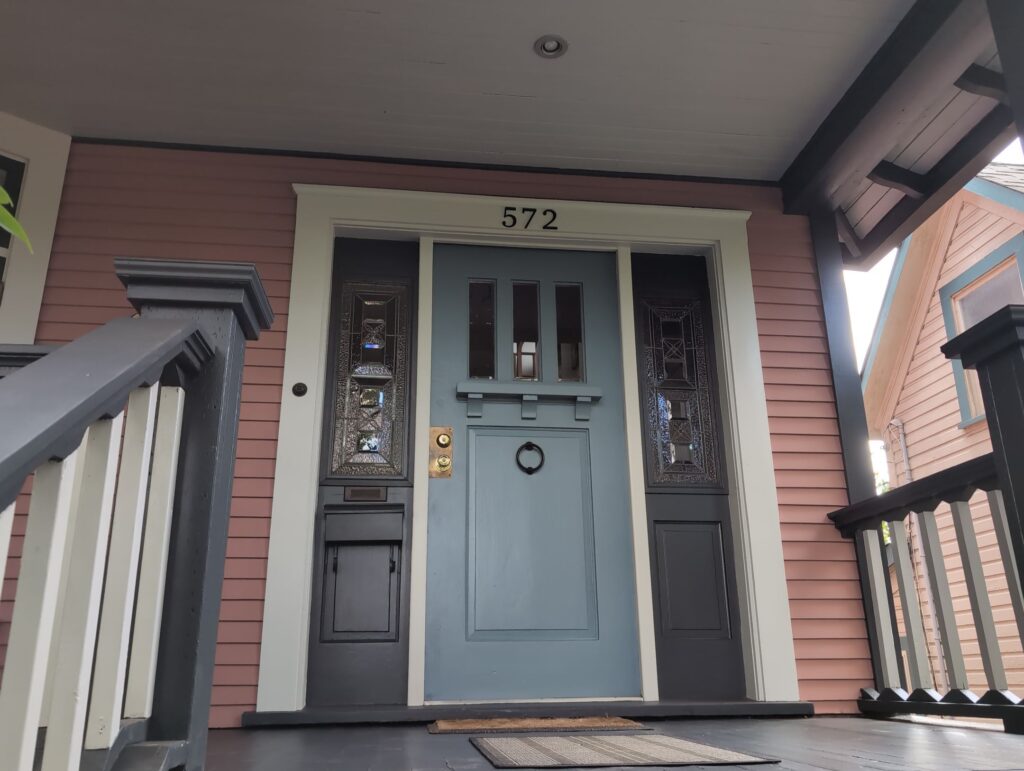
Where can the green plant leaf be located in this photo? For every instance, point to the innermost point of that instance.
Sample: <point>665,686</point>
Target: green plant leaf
<point>9,223</point>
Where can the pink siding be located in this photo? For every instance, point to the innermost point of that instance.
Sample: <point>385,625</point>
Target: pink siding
<point>927,404</point>
<point>218,206</point>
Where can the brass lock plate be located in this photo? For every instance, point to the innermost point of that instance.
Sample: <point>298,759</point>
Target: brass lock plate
<point>440,459</point>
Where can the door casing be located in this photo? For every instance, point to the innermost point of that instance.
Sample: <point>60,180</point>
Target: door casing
<point>324,212</point>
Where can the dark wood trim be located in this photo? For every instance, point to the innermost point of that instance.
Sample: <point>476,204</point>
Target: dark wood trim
<point>956,483</point>
<point>853,426</point>
<point>983,82</point>
<point>912,63</point>
<point>426,714</point>
<point>423,162</point>
<point>910,183</point>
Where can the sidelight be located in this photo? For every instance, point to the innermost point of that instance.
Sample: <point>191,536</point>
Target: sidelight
<point>481,329</point>
<point>525,331</point>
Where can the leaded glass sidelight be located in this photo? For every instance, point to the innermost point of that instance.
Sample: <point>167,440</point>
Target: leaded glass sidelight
<point>681,443</point>
<point>372,380</point>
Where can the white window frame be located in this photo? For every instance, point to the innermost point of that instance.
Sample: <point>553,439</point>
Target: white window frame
<point>45,155</point>
<point>324,213</point>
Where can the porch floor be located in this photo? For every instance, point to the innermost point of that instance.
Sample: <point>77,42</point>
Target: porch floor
<point>803,744</point>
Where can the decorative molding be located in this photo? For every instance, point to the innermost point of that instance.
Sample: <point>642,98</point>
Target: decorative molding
<point>189,283</point>
<point>45,154</point>
<point>324,213</point>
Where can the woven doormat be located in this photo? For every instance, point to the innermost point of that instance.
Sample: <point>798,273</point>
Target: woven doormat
<point>604,751</point>
<point>511,725</point>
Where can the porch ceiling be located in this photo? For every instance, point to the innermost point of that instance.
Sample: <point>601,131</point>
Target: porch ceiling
<point>723,88</point>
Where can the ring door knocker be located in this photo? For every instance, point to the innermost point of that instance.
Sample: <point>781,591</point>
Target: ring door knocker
<point>529,447</point>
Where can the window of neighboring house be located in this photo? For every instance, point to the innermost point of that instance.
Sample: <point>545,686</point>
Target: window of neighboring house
<point>12,174</point>
<point>974,295</point>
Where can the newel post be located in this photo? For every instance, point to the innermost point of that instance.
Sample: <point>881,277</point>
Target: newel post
<point>995,348</point>
<point>230,305</point>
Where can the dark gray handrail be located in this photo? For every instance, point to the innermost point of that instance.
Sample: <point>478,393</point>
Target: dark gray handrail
<point>14,357</point>
<point>957,483</point>
<point>46,407</point>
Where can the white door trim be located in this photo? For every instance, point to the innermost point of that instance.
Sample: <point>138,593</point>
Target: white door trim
<point>325,212</point>
<point>45,155</point>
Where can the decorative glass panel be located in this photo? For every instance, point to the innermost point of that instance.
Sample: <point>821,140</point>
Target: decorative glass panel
<point>372,376</point>
<point>569,317</point>
<point>481,329</point>
<point>525,331</point>
<point>681,442</point>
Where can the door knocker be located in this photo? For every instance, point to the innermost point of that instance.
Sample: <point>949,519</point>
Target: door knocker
<point>529,447</point>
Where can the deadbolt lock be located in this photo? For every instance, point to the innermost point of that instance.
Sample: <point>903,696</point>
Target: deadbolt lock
<point>440,463</point>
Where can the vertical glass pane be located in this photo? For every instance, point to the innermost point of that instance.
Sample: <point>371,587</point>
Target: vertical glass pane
<point>999,287</point>
<point>481,329</point>
<point>569,313</point>
<point>525,331</point>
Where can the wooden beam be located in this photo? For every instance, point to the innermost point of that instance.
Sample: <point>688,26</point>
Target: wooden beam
<point>848,235</point>
<point>954,170</point>
<point>928,51</point>
<point>908,182</point>
<point>983,82</point>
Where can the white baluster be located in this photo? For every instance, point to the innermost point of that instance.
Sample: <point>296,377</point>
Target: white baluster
<point>138,701</point>
<point>72,666</point>
<point>28,649</point>
<point>6,524</point>
<point>106,699</point>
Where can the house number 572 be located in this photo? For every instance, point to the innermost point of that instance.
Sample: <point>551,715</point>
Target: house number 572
<point>527,218</point>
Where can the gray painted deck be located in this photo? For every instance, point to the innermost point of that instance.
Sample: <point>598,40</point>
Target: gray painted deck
<point>836,744</point>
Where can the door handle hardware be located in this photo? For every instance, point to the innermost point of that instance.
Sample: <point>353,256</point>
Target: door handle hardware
<point>440,456</point>
<point>529,447</point>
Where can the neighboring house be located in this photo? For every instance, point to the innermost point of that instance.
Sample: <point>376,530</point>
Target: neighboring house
<point>959,267</point>
<point>469,358</point>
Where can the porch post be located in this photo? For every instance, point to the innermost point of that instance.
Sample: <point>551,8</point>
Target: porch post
<point>1007,19</point>
<point>853,424</point>
<point>230,305</point>
<point>995,348</point>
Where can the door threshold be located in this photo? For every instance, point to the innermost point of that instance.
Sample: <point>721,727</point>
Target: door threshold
<point>399,713</point>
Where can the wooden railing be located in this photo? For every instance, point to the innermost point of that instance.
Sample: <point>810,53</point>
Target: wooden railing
<point>123,442</point>
<point>904,681</point>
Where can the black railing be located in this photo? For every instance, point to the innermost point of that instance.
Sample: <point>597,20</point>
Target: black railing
<point>904,680</point>
<point>128,435</point>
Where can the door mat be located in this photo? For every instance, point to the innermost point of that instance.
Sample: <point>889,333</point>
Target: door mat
<point>511,725</point>
<point>604,751</point>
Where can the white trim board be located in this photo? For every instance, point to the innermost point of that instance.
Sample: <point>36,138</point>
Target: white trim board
<point>326,212</point>
<point>45,155</point>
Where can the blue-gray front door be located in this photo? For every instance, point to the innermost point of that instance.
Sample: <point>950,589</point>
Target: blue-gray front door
<point>530,585</point>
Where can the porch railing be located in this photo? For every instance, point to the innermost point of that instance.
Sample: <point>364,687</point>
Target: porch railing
<point>904,681</point>
<point>122,445</point>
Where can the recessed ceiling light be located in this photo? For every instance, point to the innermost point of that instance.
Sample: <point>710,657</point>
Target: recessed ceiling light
<point>550,46</point>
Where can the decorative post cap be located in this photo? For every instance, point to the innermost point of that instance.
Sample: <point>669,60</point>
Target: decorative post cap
<point>188,283</point>
<point>990,337</point>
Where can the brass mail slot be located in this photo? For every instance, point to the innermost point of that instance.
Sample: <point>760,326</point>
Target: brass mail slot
<point>440,452</point>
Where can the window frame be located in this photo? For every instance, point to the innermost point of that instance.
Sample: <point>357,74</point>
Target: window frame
<point>1012,249</point>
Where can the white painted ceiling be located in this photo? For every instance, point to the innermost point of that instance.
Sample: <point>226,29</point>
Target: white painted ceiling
<point>724,88</point>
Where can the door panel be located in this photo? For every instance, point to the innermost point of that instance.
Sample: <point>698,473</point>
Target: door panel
<point>693,575</point>
<point>532,565</point>
<point>530,587</point>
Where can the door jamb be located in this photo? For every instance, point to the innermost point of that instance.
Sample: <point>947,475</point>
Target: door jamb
<point>324,212</point>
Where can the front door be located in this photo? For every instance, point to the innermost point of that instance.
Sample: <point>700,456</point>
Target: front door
<point>531,584</point>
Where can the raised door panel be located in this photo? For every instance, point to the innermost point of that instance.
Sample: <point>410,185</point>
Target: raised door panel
<point>531,537</point>
<point>691,584</point>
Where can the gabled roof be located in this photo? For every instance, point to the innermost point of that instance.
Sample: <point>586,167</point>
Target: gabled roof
<point>1009,175</point>
<point>912,282</point>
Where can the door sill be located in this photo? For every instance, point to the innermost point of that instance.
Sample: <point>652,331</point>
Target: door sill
<point>398,713</point>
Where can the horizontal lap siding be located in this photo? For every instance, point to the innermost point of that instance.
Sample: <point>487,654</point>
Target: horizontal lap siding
<point>140,202</point>
<point>928,407</point>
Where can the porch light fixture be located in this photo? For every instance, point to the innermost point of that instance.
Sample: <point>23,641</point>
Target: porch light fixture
<point>550,46</point>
